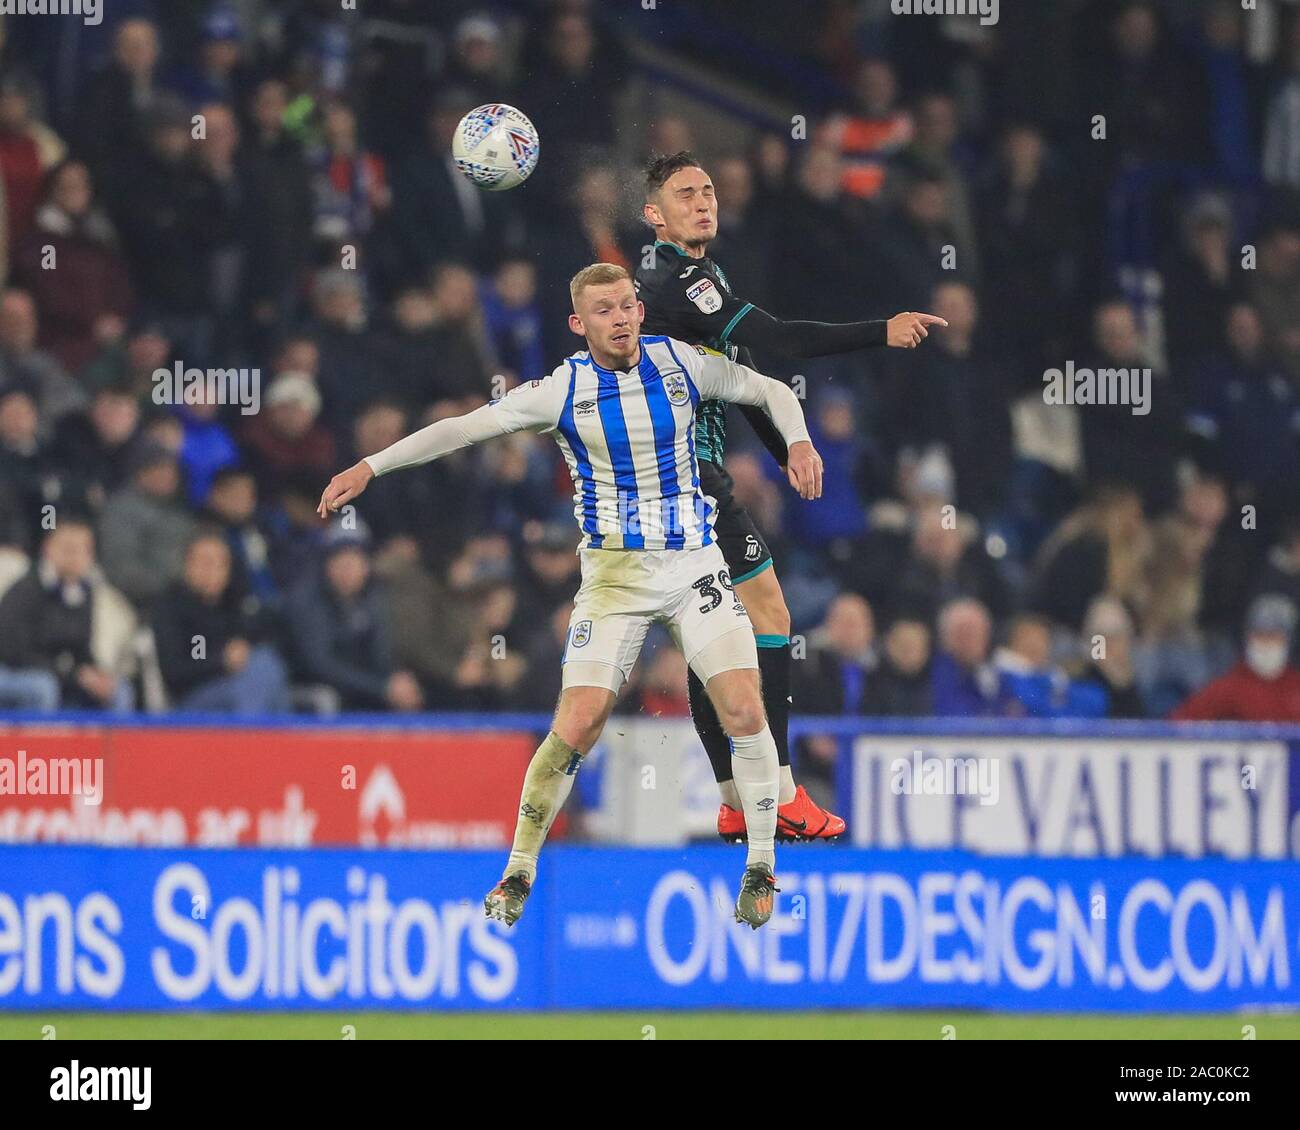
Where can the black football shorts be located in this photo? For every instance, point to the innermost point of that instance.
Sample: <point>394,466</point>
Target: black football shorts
<point>739,539</point>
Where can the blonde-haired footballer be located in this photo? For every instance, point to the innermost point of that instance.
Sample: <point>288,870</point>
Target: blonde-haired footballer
<point>623,413</point>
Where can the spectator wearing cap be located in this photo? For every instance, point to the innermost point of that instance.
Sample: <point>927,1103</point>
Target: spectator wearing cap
<point>212,640</point>
<point>145,527</point>
<point>1263,686</point>
<point>286,437</point>
<point>339,627</point>
<point>220,73</point>
<point>478,62</point>
<point>85,301</point>
<point>65,633</point>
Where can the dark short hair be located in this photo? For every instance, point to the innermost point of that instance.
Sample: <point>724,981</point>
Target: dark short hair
<point>662,168</point>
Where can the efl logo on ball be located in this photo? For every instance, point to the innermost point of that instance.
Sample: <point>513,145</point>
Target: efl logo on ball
<point>496,146</point>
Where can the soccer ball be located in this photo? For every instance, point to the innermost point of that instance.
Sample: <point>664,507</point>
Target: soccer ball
<point>496,146</point>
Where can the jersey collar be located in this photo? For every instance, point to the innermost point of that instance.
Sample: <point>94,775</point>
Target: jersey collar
<point>674,248</point>
<point>590,360</point>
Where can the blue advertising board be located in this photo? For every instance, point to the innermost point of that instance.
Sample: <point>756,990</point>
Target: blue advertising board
<point>87,927</point>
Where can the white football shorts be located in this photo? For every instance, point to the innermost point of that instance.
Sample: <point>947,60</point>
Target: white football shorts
<point>624,591</point>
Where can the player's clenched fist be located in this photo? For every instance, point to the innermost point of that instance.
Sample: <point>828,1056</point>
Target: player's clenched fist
<point>804,467</point>
<point>906,331</point>
<point>344,487</point>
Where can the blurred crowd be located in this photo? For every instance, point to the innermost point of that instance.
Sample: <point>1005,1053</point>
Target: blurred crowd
<point>267,186</point>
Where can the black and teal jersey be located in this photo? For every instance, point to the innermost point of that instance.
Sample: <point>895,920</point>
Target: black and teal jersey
<point>691,300</point>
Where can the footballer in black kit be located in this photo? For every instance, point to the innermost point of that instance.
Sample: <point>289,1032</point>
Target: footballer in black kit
<point>688,296</point>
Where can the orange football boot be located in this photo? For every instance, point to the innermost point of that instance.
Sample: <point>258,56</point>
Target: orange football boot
<point>801,819</point>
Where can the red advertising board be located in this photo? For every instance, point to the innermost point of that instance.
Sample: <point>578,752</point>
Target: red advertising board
<point>271,787</point>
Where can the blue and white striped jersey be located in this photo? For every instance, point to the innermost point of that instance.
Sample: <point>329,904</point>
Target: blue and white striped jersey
<point>629,438</point>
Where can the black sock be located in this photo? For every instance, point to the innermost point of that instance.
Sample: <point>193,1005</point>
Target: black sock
<point>716,743</point>
<point>774,668</point>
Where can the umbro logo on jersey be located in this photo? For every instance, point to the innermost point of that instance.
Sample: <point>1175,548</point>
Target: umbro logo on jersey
<point>586,408</point>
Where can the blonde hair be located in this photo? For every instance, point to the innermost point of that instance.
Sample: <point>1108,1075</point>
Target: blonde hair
<point>598,274</point>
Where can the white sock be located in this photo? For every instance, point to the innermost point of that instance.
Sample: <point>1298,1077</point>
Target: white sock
<point>730,797</point>
<point>756,771</point>
<point>786,794</point>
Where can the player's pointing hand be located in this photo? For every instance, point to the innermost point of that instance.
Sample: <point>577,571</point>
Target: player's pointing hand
<point>344,487</point>
<point>908,330</point>
<point>804,468</point>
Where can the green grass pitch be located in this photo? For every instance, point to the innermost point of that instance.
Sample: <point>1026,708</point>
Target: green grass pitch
<point>640,1026</point>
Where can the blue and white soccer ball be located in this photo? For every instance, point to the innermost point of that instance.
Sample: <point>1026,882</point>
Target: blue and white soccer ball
<point>496,146</point>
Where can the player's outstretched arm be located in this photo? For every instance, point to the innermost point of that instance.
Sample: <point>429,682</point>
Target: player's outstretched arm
<point>532,406</point>
<point>440,438</point>
<point>760,330</point>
